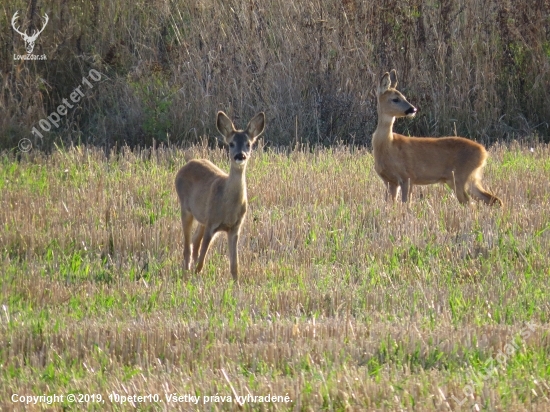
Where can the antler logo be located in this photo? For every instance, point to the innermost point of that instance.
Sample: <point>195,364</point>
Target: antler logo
<point>29,40</point>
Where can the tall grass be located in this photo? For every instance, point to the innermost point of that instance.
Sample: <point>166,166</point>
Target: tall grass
<point>482,67</point>
<point>345,302</point>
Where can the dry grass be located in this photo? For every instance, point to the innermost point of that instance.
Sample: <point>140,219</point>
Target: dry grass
<point>346,302</point>
<point>312,66</point>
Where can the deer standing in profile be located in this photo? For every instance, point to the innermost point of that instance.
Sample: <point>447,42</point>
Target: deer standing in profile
<point>218,201</point>
<point>29,40</point>
<point>403,161</point>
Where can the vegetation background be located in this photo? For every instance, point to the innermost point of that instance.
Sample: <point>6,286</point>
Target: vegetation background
<point>480,67</point>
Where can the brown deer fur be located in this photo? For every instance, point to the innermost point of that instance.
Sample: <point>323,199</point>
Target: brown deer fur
<point>217,201</point>
<point>403,161</point>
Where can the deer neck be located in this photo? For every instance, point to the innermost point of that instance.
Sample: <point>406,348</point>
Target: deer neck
<point>235,187</point>
<point>384,129</point>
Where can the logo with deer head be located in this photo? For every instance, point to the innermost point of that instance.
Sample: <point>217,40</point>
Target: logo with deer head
<point>29,40</point>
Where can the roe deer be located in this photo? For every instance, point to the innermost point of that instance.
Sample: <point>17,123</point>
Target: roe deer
<point>405,161</point>
<point>216,200</point>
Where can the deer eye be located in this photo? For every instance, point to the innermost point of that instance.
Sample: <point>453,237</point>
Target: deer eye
<point>396,100</point>
<point>231,144</point>
<point>248,145</point>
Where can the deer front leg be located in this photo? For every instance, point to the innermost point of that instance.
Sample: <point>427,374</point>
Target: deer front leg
<point>207,238</point>
<point>233,239</point>
<point>392,191</point>
<point>405,189</point>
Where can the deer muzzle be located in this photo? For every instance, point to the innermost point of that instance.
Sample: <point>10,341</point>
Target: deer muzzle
<point>410,112</point>
<point>240,157</point>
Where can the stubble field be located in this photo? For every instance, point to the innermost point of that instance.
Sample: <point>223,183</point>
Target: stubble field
<point>346,302</point>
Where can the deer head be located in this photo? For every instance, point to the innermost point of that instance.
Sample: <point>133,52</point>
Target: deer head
<point>29,40</point>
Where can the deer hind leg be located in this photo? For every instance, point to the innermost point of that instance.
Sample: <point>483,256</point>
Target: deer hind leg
<point>479,193</point>
<point>197,239</point>
<point>187,224</point>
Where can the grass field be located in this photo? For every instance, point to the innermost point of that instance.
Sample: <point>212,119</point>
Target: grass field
<point>345,301</point>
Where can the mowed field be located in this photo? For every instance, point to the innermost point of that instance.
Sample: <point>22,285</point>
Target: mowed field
<point>346,302</point>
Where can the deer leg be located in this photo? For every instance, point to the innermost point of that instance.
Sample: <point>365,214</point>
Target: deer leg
<point>187,224</point>
<point>233,239</point>
<point>197,239</point>
<point>405,187</point>
<point>207,238</point>
<point>459,188</point>
<point>462,196</point>
<point>392,191</point>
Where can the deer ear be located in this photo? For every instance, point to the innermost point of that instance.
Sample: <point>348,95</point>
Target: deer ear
<point>385,83</point>
<point>393,78</point>
<point>256,126</point>
<point>225,125</point>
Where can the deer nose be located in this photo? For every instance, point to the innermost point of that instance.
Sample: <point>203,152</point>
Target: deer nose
<point>240,156</point>
<point>411,110</point>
